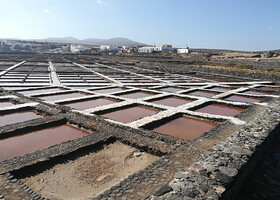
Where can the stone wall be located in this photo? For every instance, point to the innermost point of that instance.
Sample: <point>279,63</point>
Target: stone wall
<point>262,64</point>
<point>184,69</point>
<point>221,172</point>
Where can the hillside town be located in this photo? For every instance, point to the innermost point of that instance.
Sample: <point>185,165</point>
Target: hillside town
<point>66,48</point>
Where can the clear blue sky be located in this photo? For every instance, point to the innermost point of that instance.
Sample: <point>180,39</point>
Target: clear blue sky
<point>227,24</point>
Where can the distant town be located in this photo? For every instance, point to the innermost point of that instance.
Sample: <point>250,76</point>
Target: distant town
<point>68,48</point>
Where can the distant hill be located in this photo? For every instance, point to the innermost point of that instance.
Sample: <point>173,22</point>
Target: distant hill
<point>93,41</point>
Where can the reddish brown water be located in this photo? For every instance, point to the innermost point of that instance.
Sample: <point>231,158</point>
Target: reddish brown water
<point>130,114</point>
<point>186,128</point>
<point>14,88</point>
<point>82,105</point>
<point>62,96</point>
<point>81,87</point>
<point>270,88</point>
<point>254,92</point>
<point>66,78</point>
<point>239,85</point>
<point>72,81</point>
<point>221,89</point>
<point>36,81</point>
<point>217,109</point>
<point>12,118</point>
<point>128,81</point>
<point>136,95</point>
<point>22,144</point>
<point>109,90</point>
<point>170,89</point>
<point>243,99</point>
<point>172,101</point>
<point>202,93</point>
<point>147,81</point>
<point>40,91</point>
<point>10,80</point>
<point>97,81</point>
<point>190,86</point>
<point>5,103</point>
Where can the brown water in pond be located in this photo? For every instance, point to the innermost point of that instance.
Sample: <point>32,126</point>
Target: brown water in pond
<point>190,86</point>
<point>147,81</point>
<point>269,88</point>
<point>109,90</point>
<point>97,81</point>
<point>40,91</point>
<point>62,96</point>
<point>36,140</point>
<point>136,95</point>
<point>221,89</point>
<point>254,92</point>
<point>14,88</point>
<point>127,115</point>
<point>17,117</point>
<point>91,77</point>
<point>170,89</point>
<point>10,80</point>
<point>72,81</point>
<point>217,109</point>
<point>202,93</point>
<point>239,85</point>
<point>186,128</point>
<point>243,99</point>
<point>5,103</point>
<point>81,87</point>
<point>82,105</point>
<point>172,101</point>
<point>70,78</point>
<point>36,81</point>
<point>128,81</point>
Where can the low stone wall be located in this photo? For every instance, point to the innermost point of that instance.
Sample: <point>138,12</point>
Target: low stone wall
<point>233,73</point>
<point>183,69</point>
<point>262,64</point>
<point>222,171</point>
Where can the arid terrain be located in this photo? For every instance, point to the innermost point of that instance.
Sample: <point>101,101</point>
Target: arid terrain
<point>135,126</point>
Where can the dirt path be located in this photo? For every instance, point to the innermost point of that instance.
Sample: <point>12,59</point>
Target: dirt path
<point>90,175</point>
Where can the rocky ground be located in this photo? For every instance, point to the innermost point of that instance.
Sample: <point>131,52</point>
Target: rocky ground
<point>123,162</point>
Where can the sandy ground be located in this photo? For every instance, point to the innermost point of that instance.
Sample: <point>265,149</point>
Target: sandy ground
<point>90,175</point>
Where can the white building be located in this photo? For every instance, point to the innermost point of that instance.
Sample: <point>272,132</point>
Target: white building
<point>77,48</point>
<point>133,48</point>
<point>63,49</point>
<point>108,48</point>
<point>146,50</point>
<point>158,48</point>
<point>164,47</point>
<point>185,50</point>
<point>104,47</point>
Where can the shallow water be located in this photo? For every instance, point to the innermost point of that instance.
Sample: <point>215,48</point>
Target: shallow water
<point>22,116</point>
<point>172,101</point>
<point>136,95</point>
<point>82,105</point>
<point>186,128</point>
<point>217,109</point>
<point>127,115</point>
<point>36,140</point>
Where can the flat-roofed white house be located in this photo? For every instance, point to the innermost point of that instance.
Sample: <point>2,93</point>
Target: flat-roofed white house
<point>146,50</point>
<point>184,50</point>
<point>164,47</point>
